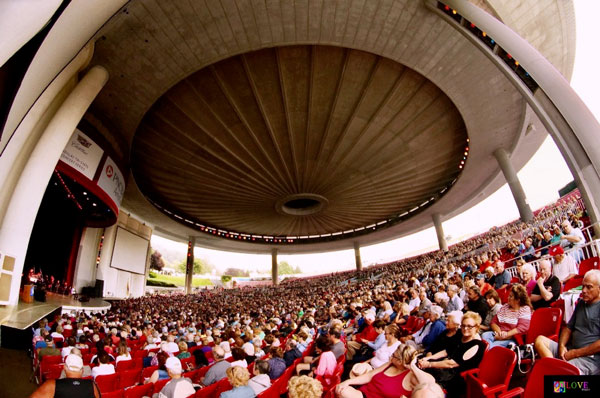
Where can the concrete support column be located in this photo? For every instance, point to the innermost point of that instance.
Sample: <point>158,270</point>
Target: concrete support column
<point>29,191</point>
<point>189,265</point>
<point>274,267</point>
<point>357,258</point>
<point>439,231</point>
<point>568,120</point>
<point>515,185</point>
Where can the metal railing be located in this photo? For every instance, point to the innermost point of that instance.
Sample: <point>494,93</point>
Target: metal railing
<point>578,253</point>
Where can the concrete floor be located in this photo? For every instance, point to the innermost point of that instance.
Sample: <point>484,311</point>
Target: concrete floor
<point>15,371</point>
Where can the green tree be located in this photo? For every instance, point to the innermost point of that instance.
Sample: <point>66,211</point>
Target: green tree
<point>156,260</point>
<point>236,272</point>
<point>200,266</point>
<point>286,269</point>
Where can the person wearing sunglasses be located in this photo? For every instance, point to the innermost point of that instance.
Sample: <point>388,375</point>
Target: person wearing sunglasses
<point>447,365</point>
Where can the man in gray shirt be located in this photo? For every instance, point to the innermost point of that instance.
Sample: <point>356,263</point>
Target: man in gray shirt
<point>337,347</point>
<point>218,370</point>
<point>583,330</point>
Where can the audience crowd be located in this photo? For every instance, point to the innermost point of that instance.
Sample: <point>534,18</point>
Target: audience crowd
<point>408,328</point>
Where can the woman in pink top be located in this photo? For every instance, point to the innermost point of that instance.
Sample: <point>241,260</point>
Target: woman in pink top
<point>396,378</point>
<point>327,361</point>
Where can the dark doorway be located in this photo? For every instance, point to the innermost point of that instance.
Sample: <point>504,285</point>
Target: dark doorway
<point>57,228</point>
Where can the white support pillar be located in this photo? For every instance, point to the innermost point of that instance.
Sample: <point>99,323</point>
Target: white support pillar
<point>571,124</point>
<point>274,267</point>
<point>515,185</point>
<point>29,191</point>
<point>189,269</point>
<point>439,231</point>
<point>357,258</point>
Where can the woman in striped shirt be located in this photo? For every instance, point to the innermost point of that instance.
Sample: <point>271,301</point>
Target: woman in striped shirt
<point>513,318</point>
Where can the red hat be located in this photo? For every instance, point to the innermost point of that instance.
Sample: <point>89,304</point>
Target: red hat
<point>556,250</point>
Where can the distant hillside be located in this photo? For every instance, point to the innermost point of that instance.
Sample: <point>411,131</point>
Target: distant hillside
<point>172,253</point>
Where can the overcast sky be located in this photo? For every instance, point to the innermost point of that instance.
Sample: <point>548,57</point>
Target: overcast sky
<point>541,178</point>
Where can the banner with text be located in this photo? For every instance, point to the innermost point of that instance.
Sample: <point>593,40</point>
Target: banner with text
<point>82,154</point>
<point>111,181</point>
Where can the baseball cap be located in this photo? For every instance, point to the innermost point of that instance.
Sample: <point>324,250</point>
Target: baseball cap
<point>556,250</point>
<point>74,363</point>
<point>173,364</point>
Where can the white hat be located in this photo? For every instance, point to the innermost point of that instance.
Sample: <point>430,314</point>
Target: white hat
<point>370,317</point>
<point>360,369</point>
<point>74,363</point>
<point>173,364</point>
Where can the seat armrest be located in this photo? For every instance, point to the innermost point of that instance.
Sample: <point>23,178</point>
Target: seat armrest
<point>515,392</point>
<point>472,372</point>
<point>492,391</point>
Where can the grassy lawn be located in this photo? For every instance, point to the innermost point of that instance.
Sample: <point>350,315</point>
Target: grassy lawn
<point>180,280</point>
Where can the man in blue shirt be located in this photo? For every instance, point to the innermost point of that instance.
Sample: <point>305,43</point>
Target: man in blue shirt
<point>502,276</point>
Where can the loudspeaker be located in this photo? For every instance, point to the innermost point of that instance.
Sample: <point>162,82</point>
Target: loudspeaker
<point>99,288</point>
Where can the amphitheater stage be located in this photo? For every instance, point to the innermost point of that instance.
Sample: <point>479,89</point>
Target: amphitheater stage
<point>16,322</point>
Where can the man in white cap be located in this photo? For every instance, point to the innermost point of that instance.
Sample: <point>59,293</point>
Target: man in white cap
<point>178,387</point>
<point>72,386</point>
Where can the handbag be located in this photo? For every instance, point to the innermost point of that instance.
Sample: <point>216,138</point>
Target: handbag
<point>523,352</point>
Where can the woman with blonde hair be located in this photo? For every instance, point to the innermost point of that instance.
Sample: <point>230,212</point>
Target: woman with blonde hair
<point>447,364</point>
<point>238,377</point>
<point>122,352</point>
<point>304,387</point>
<point>403,314</point>
<point>398,377</point>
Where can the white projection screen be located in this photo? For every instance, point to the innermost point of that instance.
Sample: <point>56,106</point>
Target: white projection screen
<point>130,252</point>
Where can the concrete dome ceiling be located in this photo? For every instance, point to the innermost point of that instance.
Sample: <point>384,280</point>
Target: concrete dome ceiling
<point>298,140</point>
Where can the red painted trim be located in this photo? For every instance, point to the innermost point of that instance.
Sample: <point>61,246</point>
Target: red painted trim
<point>88,184</point>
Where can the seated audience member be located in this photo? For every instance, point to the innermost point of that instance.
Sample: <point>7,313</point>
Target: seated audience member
<point>403,313</point>
<point>71,386</point>
<point>386,312</point>
<point>441,299</point>
<point>447,365</point>
<point>68,345</point>
<point>87,371</point>
<point>434,326</point>
<point>503,277</point>
<point>368,334</point>
<point>324,364</point>
<point>546,242</point>
<point>564,267</point>
<point>304,387</point>
<point>572,237</point>
<point>248,348</point>
<point>383,353</point>
<point>105,367</point>
<point>261,380</point>
<point>200,358</point>
<point>238,377</point>
<point>547,288</point>
<point>528,253</point>
<point>425,304</point>
<point>450,336</point>
<point>172,347</point>
<point>579,341</point>
<point>160,373</point>
<point>122,352</point>
<point>218,370</point>
<point>183,350</point>
<point>513,318</point>
<point>476,302</point>
<point>397,378</point>
<point>482,284</point>
<point>276,363</point>
<point>528,277</point>
<point>239,357</point>
<point>337,345</point>
<point>454,303</point>
<point>49,349</point>
<point>178,387</point>
<point>414,301</point>
<point>490,276</point>
<point>291,352</point>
